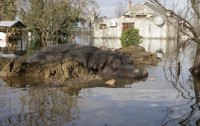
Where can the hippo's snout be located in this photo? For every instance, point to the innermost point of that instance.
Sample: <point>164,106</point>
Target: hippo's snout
<point>126,70</point>
<point>139,73</point>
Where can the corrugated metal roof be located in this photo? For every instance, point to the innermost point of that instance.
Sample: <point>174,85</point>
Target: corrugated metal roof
<point>11,24</point>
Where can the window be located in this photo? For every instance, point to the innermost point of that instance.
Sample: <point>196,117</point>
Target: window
<point>102,26</point>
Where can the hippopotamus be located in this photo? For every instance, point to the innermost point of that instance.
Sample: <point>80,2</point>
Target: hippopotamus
<point>105,62</point>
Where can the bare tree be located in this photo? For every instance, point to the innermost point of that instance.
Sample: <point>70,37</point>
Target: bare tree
<point>8,9</point>
<point>188,11</point>
<point>184,15</point>
<point>120,9</point>
<point>49,17</point>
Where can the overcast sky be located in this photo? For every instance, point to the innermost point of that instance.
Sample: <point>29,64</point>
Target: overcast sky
<point>107,6</point>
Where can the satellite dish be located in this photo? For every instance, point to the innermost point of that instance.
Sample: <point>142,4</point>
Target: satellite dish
<point>159,21</point>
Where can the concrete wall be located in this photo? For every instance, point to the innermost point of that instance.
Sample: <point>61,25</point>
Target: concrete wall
<point>147,28</point>
<point>110,32</point>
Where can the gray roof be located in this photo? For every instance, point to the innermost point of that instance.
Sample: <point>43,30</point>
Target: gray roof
<point>11,24</point>
<point>156,8</point>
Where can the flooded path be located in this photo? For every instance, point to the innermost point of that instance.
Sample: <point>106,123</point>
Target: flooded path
<point>166,97</point>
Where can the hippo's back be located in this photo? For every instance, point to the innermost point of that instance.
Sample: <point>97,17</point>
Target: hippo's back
<point>58,52</point>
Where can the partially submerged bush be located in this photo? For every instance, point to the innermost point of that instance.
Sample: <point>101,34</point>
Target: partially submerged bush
<point>130,37</point>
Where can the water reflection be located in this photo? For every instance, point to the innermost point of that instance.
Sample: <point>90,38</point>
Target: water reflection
<point>84,39</point>
<point>188,112</point>
<point>46,105</point>
<point>111,44</point>
<point>151,101</point>
<point>160,46</point>
<point>39,106</point>
<point>169,96</point>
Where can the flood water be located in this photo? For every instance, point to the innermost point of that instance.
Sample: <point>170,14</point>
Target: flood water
<point>167,97</point>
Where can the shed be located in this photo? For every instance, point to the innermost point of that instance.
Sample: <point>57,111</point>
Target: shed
<point>11,24</point>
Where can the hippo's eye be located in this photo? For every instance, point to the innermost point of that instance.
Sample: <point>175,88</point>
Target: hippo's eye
<point>117,62</point>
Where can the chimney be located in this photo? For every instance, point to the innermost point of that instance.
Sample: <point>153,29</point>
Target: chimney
<point>129,5</point>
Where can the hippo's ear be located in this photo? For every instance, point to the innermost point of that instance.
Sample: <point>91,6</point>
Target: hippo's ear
<point>110,59</point>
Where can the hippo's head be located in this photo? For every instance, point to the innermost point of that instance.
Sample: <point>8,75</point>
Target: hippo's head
<point>122,67</point>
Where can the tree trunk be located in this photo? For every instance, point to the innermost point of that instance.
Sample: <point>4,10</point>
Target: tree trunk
<point>43,39</point>
<point>195,69</point>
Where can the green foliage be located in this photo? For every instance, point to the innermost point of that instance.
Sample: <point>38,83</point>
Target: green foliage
<point>35,44</point>
<point>50,17</point>
<point>130,37</point>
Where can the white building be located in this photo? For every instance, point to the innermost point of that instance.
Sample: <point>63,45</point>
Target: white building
<point>2,39</point>
<point>152,21</point>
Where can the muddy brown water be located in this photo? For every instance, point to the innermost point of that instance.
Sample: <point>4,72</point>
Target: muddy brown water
<point>166,97</point>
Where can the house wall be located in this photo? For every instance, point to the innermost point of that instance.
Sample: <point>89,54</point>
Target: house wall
<point>146,25</point>
<point>109,32</point>
<point>147,28</point>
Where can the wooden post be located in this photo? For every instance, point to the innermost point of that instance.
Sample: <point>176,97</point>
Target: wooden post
<point>7,39</point>
<point>21,38</point>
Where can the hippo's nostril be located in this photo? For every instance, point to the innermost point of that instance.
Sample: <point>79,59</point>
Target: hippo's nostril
<point>136,71</point>
<point>144,72</point>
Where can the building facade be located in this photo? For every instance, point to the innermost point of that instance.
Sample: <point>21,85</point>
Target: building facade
<point>151,21</point>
